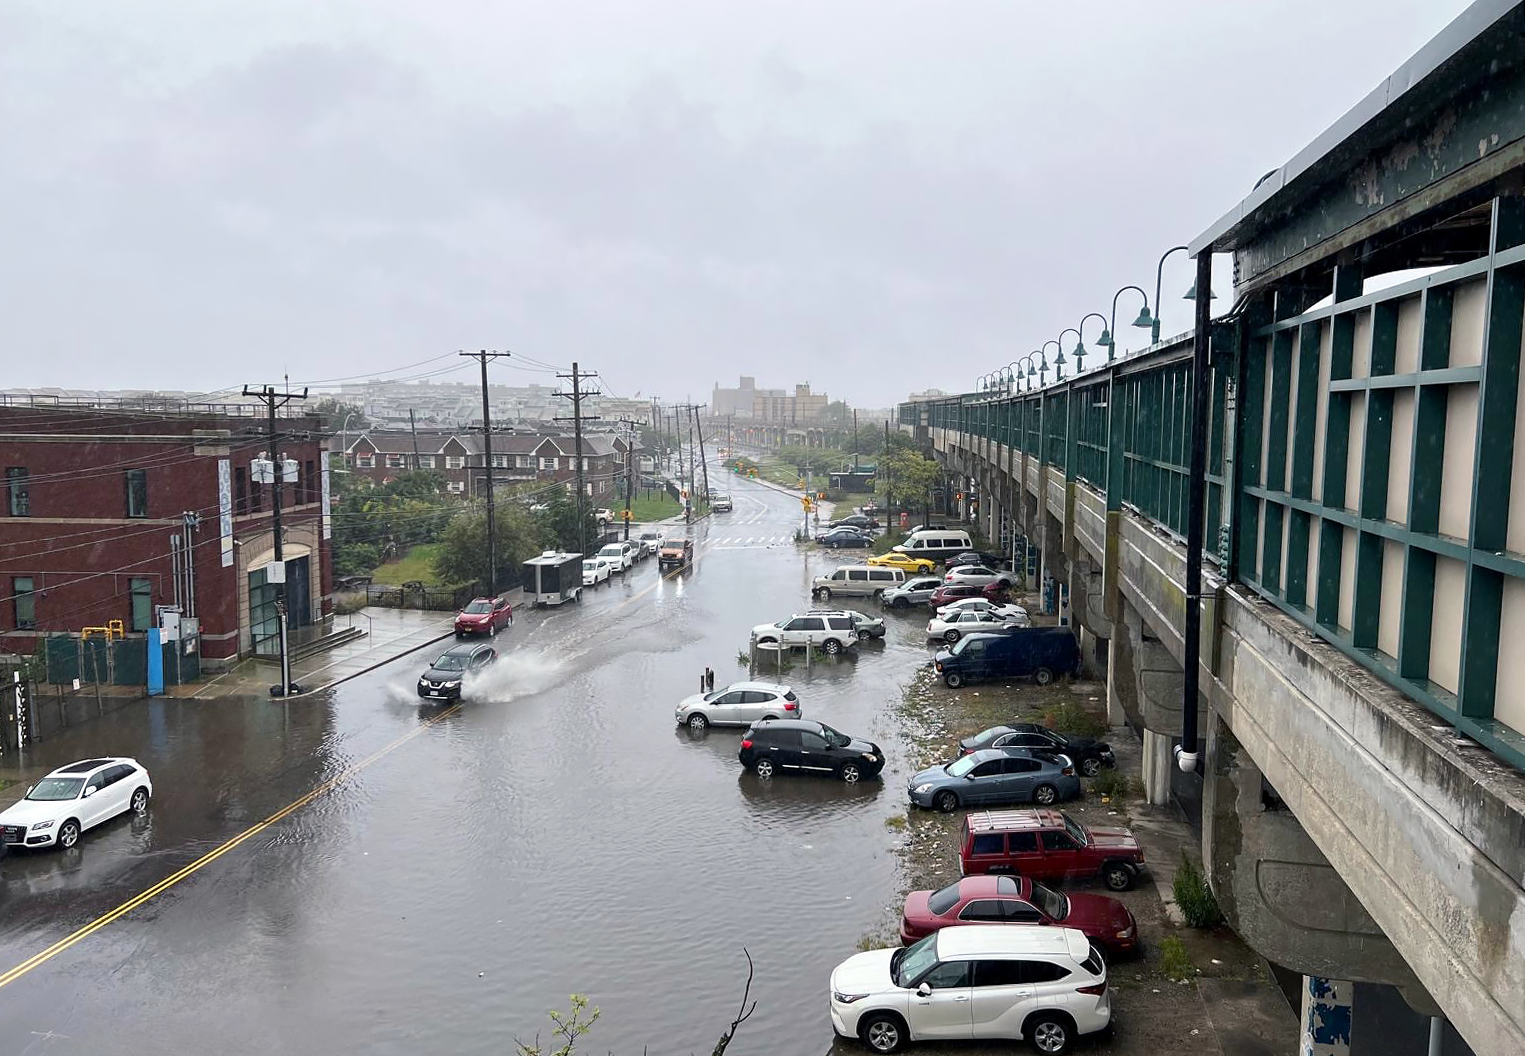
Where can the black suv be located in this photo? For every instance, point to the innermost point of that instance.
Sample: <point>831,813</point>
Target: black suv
<point>798,744</point>
<point>443,679</point>
<point>1089,754</point>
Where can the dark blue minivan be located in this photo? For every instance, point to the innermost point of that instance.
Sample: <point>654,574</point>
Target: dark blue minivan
<point>1044,653</point>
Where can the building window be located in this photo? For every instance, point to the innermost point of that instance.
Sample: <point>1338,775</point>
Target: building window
<point>25,602</point>
<point>142,604</point>
<point>456,487</point>
<point>240,490</point>
<point>548,463</point>
<point>264,622</point>
<point>425,461</point>
<point>455,462</point>
<point>257,501</point>
<point>312,483</point>
<point>499,461</point>
<point>18,494</point>
<point>137,493</point>
<point>394,462</point>
<point>523,462</point>
<point>365,461</point>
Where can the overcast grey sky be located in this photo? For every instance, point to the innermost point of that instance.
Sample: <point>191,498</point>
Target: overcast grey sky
<point>874,197</point>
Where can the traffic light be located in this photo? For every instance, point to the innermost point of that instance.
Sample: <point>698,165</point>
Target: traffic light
<point>805,502</point>
<point>627,516</point>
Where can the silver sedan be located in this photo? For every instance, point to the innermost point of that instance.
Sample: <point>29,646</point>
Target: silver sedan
<point>739,704</point>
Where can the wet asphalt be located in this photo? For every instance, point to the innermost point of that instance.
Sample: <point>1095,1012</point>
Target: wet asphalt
<point>558,833</point>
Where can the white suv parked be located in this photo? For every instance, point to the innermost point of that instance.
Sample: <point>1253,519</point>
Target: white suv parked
<point>1047,985</point>
<point>831,631</point>
<point>620,555</point>
<point>74,798</point>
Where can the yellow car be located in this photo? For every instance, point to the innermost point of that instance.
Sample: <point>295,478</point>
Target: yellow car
<point>904,562</point>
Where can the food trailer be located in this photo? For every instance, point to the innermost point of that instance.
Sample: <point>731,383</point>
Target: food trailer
<point>553,578</point>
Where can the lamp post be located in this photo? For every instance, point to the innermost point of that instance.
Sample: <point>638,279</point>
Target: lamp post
<point>1031,371</point>
<point>344,438</point>
<point>1144,319</point>
<point>1058,360</point>
<point>1159,275</point>
<point>1011,375</point>
<point>1080,350</point>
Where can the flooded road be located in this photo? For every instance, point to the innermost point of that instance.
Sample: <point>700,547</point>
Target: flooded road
<point>556,834</point>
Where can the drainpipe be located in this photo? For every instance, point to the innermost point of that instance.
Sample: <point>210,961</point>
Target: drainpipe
<point>1196,510</point>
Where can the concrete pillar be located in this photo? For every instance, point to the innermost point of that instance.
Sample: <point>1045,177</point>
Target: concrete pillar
<point>1158,759</point>
<point>1119,668</point>
<point>1326,1016</point>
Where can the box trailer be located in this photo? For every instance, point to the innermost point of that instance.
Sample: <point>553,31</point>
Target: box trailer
<point>553,578</point>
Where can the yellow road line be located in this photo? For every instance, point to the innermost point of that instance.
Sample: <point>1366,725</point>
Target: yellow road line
<point>211,856</point>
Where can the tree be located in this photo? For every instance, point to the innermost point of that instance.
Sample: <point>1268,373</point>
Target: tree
<point>560,523</point>
<point>462,555</point>
<point>905,477</point>
<point>339,416</point>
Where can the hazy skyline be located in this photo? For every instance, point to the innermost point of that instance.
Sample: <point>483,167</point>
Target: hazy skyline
<point>874,198</point>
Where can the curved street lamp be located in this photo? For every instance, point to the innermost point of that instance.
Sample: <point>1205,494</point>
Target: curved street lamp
<point>1011,375</point>
<point>1031,371</point>
<point>1080,351</point>
<point>1058,360</point>
<point>1159,275</point>
<point>1144,319</point>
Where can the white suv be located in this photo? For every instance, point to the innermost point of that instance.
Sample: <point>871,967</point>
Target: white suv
<point>74,798</point>
<point>1047,985</point>
<point>650,542</point>
<point>831,631</point>
<point>619,555</point>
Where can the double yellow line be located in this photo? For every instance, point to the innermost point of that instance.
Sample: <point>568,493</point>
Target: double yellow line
<point>174,878</point>
<point>211,856</point>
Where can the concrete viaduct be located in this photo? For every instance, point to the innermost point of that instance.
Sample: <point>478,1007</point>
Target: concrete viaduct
<point>1360,663</point>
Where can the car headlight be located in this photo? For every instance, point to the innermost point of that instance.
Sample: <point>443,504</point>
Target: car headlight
<point>452,684</point>
<point>42,825</point>
<point>870,757</point>
<point>846,999</point>
<point>922,789</point>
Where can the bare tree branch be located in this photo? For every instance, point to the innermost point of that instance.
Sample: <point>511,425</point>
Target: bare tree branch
<point>742,1014</point>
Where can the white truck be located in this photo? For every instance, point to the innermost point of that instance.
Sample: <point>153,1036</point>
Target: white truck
<point>552,578</point>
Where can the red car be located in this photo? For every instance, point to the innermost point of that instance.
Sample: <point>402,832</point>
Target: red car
<point>956,591</point>
<point>1048,844</point>
<point>1017,900</point>
<point>484,616</point>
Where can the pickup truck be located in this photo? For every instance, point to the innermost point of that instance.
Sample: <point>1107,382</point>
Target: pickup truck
<point>676,554</point>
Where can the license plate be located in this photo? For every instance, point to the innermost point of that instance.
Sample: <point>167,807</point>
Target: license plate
<point>435,693</point>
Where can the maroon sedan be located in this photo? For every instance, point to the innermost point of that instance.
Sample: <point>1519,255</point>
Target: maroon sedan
<point>950,592</point>
<point>1018,900</point>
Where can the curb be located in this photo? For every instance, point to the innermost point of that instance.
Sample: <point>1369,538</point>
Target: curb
<point>367,670</point>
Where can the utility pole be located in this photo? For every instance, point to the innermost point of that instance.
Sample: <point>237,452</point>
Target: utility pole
<point>413,428</point>
<point>273,399</point>
<point>703,467</point>
<point>492,528</point>
<point>629,467</point>
<point>577,395</point>
<point>855,439</point>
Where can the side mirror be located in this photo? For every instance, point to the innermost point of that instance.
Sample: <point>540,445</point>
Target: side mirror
<point>968,777</point>
<point>89,792</point>
<point>924,990</point>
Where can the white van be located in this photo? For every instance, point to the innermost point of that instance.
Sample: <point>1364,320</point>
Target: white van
<point>857,581</point>
<point>937,543</point>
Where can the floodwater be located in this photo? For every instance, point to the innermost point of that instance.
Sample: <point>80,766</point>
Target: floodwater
<point>556,834</point>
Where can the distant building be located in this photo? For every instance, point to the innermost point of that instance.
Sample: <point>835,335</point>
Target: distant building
<point>773,406</point>
<point>100,509</point>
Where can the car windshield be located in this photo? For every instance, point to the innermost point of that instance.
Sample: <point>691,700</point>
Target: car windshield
<point>994,731</point>
<point>611,550</point>
<point>1075,829</point>
<point>960,767</point>
<point>479,606</point>
<point>451,662</point>
<point>841,740</point>
<point>942,901</point>
<point>1055,905</point>
<point>913,961</point>
<point>55,788</point>
<point>589,566</point>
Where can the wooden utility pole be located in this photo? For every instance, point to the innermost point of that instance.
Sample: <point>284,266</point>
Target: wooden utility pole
<point>413,428</point>
<point>634,428</point>
<point>492,537</point>
<point>273,399</point>
<point>577,395</point>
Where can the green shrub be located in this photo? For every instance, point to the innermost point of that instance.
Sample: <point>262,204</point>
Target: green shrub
<point>346,604</point>
<point>1071,718</point>
<point>1194,896</point>
<point>1112,783</point>
<point>1175,962</point>
<point>743,658</point>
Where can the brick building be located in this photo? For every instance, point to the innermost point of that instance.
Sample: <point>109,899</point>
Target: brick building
<point>517,458</point>
<point>91,504</point>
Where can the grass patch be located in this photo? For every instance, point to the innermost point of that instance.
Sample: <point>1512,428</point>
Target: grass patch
<point>896,822</point>
<point>416,565</point>
<point>1175,962</point>
<point>1069,717</point>
<point>884,543</point>
<point>1113,784</point>
<point>1194,896</point>
<point>656,508</point>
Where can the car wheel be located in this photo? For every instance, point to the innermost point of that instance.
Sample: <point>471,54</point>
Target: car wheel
<point>947,802</point>
<point>1090,767</point>
<point>832,646</point>
<point>824,593</point>
<point>1051,1034</point>
<point>1117,876</point>
<point>139,802</point>
<point>764,768</point>
<point>68,834</point>
<point>698,723</point>
<point>851,773</point>
<point>950,635</point>
<point>1043,676</point>
<point>459,636</point>
<point>767,641</point>
<point>879,595</point>
<point>863,636</point>
<point>900,603</point>
<point>882,1032</point>
<point>1045,795</point>
<point>953,679</point>
<point>492,630</point>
